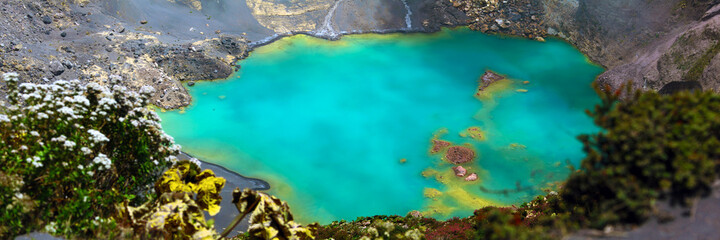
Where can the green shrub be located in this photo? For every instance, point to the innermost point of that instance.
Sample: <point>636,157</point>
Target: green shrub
<point>70,152</point>
<point>653,147</point>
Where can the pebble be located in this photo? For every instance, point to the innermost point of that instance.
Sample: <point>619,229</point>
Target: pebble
<point>63,34</point>
<point>47,19</point>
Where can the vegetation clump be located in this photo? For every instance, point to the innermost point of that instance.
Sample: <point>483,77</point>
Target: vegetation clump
<point>653,147</point>
<point>70,152</point>
<point>176,212</point>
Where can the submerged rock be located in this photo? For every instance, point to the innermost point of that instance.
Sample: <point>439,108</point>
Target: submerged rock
<point>438,146</point>
<point>432,193</point>
<point>487,79</point>
<point>472,177</point>
<point>474,133</point>
<point>459,171</point>
<point>459,154</point>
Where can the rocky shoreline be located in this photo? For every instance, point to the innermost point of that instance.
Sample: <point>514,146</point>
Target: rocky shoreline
<point>232,180</point>
<point>147,43</point>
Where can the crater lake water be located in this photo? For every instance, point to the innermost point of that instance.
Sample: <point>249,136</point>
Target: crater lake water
<point>327,123</point>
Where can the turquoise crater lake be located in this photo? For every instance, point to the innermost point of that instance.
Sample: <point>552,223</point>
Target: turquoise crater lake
<point>327,123</point>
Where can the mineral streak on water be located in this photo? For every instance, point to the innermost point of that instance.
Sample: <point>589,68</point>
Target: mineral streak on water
<point>328,122</point>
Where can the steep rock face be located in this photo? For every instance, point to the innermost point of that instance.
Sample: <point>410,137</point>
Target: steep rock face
<point>711,76</point>
<point>650,43</point>
<point>290,16</point>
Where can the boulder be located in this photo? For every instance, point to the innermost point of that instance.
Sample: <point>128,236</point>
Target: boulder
<point>56,68</point>
<point>459,171</point>
<point>472,177</point>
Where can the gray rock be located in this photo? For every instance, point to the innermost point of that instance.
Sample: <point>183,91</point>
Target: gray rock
<point>37,236</point>
<point>47,19</point>
<point>67,64</point>
<point>191,83</point>
<point>56,68</point>
<point>63,34</point>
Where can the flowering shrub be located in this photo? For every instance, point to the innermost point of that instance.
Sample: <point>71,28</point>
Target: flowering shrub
<point>453,229</point>
<point>69,152</point>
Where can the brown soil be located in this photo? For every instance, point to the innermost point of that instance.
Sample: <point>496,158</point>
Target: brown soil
<point>459,154</point>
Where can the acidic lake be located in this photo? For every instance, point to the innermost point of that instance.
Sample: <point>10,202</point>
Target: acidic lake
<point>342,129</point>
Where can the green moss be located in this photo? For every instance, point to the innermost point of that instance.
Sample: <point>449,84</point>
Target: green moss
<point>697,69</point>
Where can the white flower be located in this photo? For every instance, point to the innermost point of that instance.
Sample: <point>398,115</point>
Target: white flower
<point>107,103</point>
<point>51,228</point>
<point>35,161</point>
<point>175,148</point>
<point>69,144</point>
<point>81,99</point>
<point>42,116</point>
<point>195,161</point>
<point>67,111</point>
<point>85,151</point>
<point>103,161</point>
<point>171,159</point>
<point>97,136</point>
<point>4,118</point>
<point>20,196</point>
<point>10,77</point>
<point>61,83</point>
<point>34,133</point>
<point>61,138</point>
<point>23,147</point>
<point>156,162</point>
<point>96,87</point>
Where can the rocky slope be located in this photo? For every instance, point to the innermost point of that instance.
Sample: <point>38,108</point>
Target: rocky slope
<point>651,43</point>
